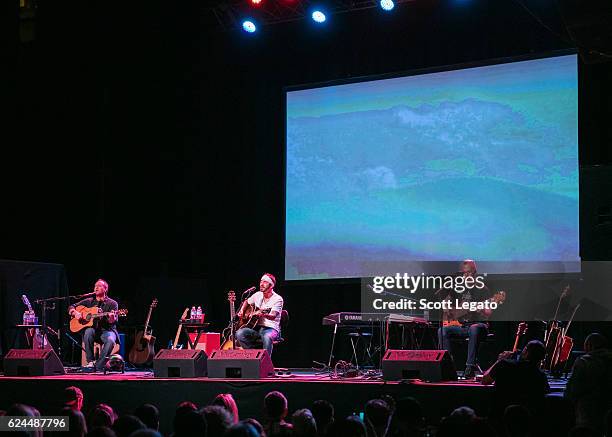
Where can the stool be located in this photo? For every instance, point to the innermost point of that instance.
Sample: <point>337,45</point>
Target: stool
<point>96,351</point>
<point>354,337</point>
<point>490,338</point>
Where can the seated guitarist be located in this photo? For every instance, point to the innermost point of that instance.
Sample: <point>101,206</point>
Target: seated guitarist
<point>472,326</point>
<point>104,330</point>
<point>267,328</point>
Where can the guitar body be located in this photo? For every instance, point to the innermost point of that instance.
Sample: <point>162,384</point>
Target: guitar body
<point>88,315</point>
<point>451,317</point>
<point>86,319</point>
<point>143,350</point>
<point>248,320</point>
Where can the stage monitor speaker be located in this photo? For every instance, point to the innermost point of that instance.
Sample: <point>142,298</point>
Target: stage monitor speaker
<point>179,363</point>
<point>32,362</point>
<point>240,363</point>
<point>427,365</point>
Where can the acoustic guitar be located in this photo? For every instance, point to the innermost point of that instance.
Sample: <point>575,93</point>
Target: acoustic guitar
<point>88,315</point>
<point>247,320</point>
<point>451,317</point>
<point>176,345</point>
<point>228,333</point>
<point>143,350</point>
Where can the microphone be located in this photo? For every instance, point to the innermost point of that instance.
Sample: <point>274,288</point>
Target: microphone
<point>249,290</point>
<point>93,293</point>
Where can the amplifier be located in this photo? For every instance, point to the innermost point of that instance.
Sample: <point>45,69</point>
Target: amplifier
<point>240,363</point>
<point>427,365</point>
<point>32,362</point>
<point>179,363</point>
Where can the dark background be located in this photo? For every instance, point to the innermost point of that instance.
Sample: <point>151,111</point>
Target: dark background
<point>147,148</point>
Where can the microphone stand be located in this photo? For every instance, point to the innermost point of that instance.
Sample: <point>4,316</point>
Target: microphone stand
<point>49,304</point>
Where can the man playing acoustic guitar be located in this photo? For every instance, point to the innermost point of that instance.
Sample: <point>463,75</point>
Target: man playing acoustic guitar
<point>104,329</point>
<point>268,307</point>
<point>473,325</point>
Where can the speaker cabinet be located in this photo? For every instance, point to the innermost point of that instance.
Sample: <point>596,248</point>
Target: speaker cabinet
<point>179,363</point>
<point>240,363</point>
<point>32,362</point>
<point>427,365</point>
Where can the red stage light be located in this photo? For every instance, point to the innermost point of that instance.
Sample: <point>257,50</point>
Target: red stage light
<point>256,2</point>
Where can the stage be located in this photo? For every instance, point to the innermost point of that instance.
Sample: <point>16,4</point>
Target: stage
<point>124,392</point>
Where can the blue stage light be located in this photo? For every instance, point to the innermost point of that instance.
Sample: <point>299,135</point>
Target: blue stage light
<point>387,5</point>
<point>249,26</point>
<point>318,16</point>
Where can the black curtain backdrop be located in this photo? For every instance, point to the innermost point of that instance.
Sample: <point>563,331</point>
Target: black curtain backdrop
<point>148,150</point>
<point>36,281</point>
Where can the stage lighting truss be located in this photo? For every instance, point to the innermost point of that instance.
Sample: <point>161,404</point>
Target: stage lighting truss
<point>229,14</point>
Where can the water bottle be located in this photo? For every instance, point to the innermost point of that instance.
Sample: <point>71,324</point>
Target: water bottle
<point>193,313</point>
<point>199,310</point>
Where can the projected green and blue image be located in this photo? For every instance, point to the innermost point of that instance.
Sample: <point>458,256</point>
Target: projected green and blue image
<point>475,163</point>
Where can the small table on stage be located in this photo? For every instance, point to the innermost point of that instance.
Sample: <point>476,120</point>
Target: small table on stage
<point>25,328</point>
<point>194,331</point>
<point>199,338</point>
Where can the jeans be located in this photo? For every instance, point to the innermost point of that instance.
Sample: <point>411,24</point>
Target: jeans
<point>475,332</point>
<point>108,340</point>
<point>261,335</point>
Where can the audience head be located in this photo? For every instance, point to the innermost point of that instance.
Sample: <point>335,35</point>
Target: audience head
<point>304,424</point>
<point>73,398</point>
<point>76,420</point>
<point>517,421</point>
<point>390,401</point>
<point>189,423</point>
<point>275,406</point>
<point>583,431</point>
<point>323,412</point>
<point>101,415</point>
<point>534,352</point>
<point>226,400</point>
<point>149,415</point>
<point>594,342</point>
<point>242,429</point>
<point>126,425</point>
<point>147,432</point>
<point>217,418</point>
<point>556,418</point>
<point>255,424</point>
<point>408,417</point>
<point>23,410</point>
<point>101,431</point>
<point>378,414</point>
<point>351,426</point>
<point>463,414</point>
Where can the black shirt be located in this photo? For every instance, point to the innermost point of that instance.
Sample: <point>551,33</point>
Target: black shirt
<point>518,382</point>
<point>106,305</point>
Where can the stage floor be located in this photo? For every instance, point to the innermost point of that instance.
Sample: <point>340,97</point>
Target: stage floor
<point>124,392</point>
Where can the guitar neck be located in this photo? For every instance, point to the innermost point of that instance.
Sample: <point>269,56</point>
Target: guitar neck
<point>146,326</point>
<point>93,316</point>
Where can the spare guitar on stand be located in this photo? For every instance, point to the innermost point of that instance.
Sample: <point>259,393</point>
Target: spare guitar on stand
<point>176,345</point>
<point>143,350</point>
<point>229,332</point>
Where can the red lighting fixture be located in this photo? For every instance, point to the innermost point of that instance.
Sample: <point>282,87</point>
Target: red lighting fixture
<point>256,2</point>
